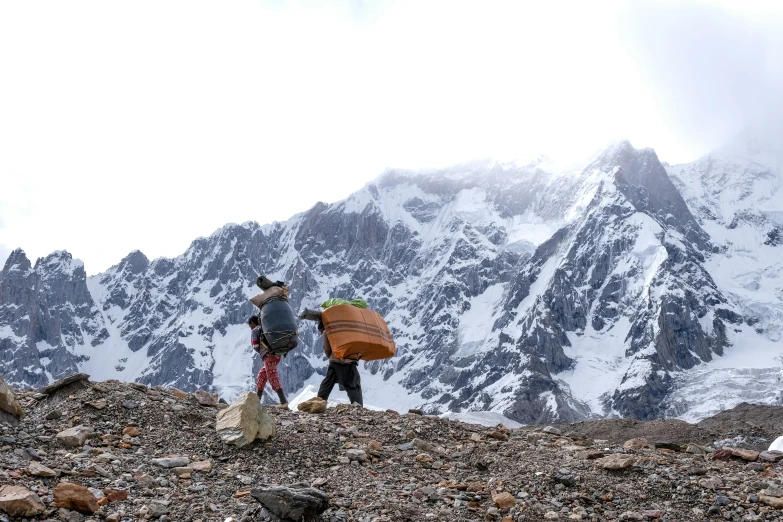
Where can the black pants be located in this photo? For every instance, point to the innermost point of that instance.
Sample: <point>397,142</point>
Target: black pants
<point>347,375</point>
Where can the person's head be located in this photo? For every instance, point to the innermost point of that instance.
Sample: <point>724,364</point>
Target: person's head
<point>252,322</point>
<point>321,326</point>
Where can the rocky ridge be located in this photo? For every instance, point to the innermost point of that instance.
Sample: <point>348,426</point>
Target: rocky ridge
<point>120,452</point>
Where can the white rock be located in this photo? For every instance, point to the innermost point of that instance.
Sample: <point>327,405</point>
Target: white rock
<point>244,421</point>
<point>777,445</point>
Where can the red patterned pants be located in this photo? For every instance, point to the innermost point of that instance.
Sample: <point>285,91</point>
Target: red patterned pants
<point>269,371</point>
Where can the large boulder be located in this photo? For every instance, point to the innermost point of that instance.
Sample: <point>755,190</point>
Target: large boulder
<point>8,402</point>
<point>296,502</point>
<point>20,502</point>
<point>244,421</point>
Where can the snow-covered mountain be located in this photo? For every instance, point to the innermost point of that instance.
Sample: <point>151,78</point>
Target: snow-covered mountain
<point>622,288</point>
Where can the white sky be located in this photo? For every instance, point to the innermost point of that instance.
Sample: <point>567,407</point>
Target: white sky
<point>143,125</point>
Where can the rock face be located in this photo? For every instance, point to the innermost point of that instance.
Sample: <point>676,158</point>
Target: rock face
<point>8,402</point>
<point>20,502</point>
<point>543,295</point>
<point>244,421</point>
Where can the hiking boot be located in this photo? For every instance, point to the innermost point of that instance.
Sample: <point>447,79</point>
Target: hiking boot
<point>260,394</point>
<point>281,395</point>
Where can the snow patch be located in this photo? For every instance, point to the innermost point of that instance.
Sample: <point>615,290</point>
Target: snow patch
<point>483,418</point>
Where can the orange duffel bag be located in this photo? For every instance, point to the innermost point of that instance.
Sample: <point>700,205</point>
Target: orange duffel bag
<point>357,333</point>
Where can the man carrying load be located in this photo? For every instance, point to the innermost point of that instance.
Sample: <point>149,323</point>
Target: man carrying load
<point>351,332</point>
<point>345,372</point>
<point>270,362</point>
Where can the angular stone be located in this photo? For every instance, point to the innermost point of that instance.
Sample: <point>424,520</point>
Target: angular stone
<point>74,496</point>
<point>669,446</point>
<point>20,502</point>
<point>116,495</point>
<point>183,473</point>
<point>637,444</point>
<point>179,394</point>
<point>771,456</point>
<point>296,503</point>
<point>201,465</point>
<point>157,508</point>
<point>171,462</point>
<point>98,405</point>
<point>616,461</point>
<point>504,500</point>
<point>145,480</point>
<point>131,431</point>
<point>711,483</point>
<point>244,421</point>
<point>722,454</point>
<point>8,402</point>
<point>314,405</point>
<point>590,454</point>
<point>74,437</point>
<point>745,454</point>
<point>695,449</point>
<point>39,470</point>
<point>65,381</point>
<point>205,398</point>
<point>552,430</point>
<point>772,492</point>
<point>774,502</point>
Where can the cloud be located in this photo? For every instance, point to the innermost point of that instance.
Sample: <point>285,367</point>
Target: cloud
<point>710,69</point>
<point>144,125</point>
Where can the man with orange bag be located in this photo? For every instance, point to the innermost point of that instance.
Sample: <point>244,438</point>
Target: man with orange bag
<point>344,372</point>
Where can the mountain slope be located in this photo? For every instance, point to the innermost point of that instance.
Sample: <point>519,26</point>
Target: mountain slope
<point>543,295</point>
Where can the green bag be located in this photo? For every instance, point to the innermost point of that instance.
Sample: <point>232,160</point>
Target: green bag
<point>358,303</point>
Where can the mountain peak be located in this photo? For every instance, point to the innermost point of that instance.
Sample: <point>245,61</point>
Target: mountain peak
<point>17,261</point>
<point>135,262</point>
<point>59,259</point>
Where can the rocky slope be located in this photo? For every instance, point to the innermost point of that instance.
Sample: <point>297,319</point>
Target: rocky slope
<point>545,295</point>
<point>371,465</point>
